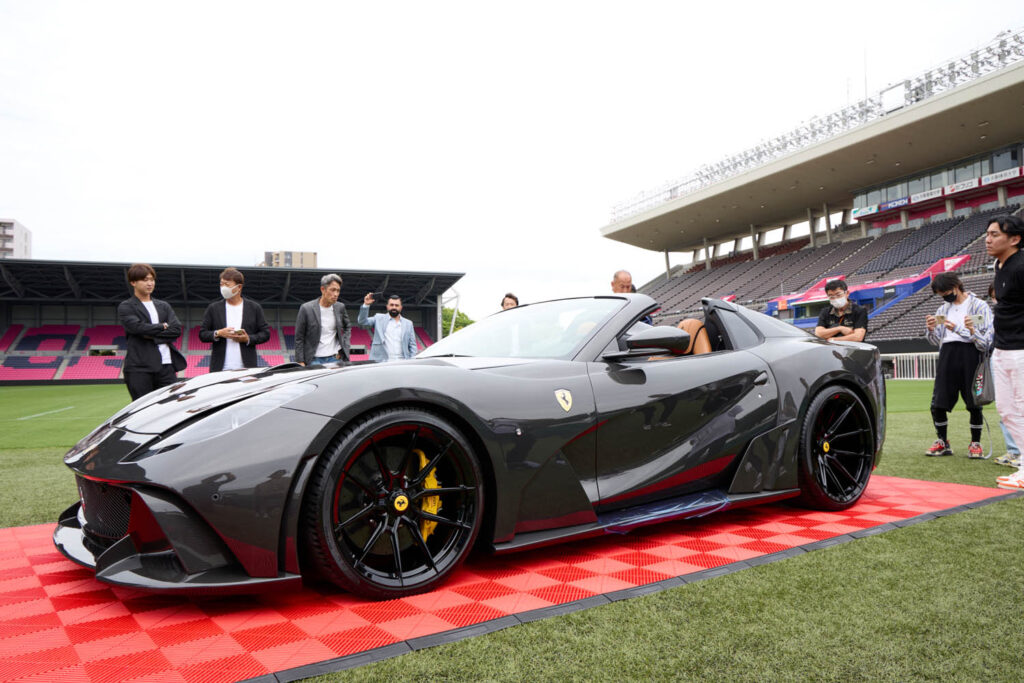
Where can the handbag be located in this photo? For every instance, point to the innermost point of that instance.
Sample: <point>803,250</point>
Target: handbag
<point>982,389</point>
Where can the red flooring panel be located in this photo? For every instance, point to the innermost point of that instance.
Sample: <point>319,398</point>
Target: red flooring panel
<point>59,623</point>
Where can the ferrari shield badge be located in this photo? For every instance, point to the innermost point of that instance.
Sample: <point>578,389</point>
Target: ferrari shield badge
<point>564,398</point>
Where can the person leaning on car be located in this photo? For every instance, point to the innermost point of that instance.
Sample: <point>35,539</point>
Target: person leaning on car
<point>234,325</point>
<point>323,332</point>
<point>841,320</point>
<point>150,328</point>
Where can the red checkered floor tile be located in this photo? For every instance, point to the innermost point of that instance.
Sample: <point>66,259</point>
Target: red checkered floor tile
<point>58,623</point>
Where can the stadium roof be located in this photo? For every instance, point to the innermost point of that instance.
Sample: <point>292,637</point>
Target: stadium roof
<point>982,115</point>
<point>32,281</point>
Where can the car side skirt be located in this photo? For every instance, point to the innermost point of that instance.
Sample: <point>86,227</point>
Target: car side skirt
<point>625,520</point>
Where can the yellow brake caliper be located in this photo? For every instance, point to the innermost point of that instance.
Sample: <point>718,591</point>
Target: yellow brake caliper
<point>429,504</point>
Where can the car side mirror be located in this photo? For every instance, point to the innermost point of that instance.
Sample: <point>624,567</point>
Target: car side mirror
<point>660,337</point>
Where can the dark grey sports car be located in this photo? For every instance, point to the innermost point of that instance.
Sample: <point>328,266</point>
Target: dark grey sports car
<point>541,424</point>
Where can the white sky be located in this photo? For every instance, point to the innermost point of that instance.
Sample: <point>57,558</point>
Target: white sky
<point>478,137</point>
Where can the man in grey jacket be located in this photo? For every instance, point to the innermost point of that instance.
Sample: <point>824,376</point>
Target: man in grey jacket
<point>322,329</point>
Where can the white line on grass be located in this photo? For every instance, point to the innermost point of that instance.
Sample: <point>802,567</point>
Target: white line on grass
<point>48,412</point>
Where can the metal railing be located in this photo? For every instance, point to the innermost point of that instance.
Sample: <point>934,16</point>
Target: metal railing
<point>912,365</point>
<point>1006,49</point>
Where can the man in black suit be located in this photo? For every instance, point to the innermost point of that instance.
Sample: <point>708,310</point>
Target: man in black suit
<point>235,326</point>
<point>323,331</point>
<point>150,328</point>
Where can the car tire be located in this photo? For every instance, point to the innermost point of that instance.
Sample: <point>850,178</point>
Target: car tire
<point>394,505</point>
<point>837,443</point>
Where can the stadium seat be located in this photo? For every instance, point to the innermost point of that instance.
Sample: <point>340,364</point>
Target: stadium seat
<point>288,332</point>
<point>423,339</point>
<point>93,367</point>
<point>194,342</point>
<point>29,367</point>
<point>197,365</point>
<point>48,338</point>
<point>270,361</point>
<point>102,335</point>
<point>9,336</point>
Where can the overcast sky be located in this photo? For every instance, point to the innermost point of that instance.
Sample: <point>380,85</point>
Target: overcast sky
<point>478,137</point>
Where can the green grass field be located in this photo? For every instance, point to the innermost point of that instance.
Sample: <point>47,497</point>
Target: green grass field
<point>939,600</point>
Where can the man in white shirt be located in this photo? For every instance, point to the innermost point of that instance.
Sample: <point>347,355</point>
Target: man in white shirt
<point>323,332</point>
<point>234,325</point>
<point>394,337</point>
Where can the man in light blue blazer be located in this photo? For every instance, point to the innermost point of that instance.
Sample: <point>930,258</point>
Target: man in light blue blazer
<point>393,335</point>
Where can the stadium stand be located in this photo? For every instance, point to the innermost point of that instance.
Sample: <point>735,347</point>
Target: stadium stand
<point>288,334</point>
<point>197,365</point>
<point>30,367</point>
<point>270,360</point>
<point>423,339</point>
<point>956,239</point>
<point>9,336</point>
<point>93,367</point>
<point>48,338</point>
<point>102,335</point>
<point>194,342</point>
<point>274,343</point>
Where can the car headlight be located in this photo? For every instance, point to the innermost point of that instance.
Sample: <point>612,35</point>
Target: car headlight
<point>229,418</point>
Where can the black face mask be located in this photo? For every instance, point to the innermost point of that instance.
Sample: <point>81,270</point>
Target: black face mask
<point>394,312</point>
<point>950,298</point>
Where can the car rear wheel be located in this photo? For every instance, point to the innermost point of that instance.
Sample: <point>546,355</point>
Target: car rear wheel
<point>394,505</point>
<point>836,450</point>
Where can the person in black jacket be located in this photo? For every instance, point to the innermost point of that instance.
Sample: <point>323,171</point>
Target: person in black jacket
<point>234,325</point>
<point>150,328</point>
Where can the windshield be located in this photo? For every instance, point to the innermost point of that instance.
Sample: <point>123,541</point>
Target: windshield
<point>552,329</point>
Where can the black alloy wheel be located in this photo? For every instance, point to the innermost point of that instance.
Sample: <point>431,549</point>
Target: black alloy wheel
<point>395,504</point>
<point>837,446</point>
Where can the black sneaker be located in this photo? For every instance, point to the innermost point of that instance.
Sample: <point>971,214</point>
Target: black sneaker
<point>940,447</point>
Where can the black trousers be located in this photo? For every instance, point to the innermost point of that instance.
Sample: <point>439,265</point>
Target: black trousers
<point>141,383</point>
<point>954,375</point>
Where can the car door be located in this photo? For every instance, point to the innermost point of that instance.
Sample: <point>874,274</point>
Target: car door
<point>668,426</point>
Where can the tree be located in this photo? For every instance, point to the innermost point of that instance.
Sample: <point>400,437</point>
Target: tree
<point>461,320</point>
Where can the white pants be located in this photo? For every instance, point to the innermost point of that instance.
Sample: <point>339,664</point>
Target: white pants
<point>1008,378</point>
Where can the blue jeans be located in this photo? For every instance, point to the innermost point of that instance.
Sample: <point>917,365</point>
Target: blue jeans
<point>320,360</point>
<point>1011,447</point>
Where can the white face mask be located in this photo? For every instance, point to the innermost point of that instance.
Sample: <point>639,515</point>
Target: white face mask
<point>839,303</point>
<point>227,292</point>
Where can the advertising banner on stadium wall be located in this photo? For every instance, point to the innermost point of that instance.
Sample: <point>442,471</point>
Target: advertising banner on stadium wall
<point>1002,175</point>
<point>962,185</point>
<point>925,196</point>
<point>945,265</point>
<point>865,211</point>
<point>894,204</point>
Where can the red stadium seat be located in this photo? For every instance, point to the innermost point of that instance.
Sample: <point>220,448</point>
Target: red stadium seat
<point>93,367</point>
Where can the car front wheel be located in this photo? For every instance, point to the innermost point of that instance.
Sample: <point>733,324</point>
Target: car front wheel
<point>395,504</point>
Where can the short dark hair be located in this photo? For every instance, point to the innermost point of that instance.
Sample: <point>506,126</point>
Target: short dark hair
<point>233,275</point>
<point>394,296</point>
<point>838,283</point>
<point>510,295</point>
<point>946,281</point>
<point>1011,225</point>
<point>140,271</point>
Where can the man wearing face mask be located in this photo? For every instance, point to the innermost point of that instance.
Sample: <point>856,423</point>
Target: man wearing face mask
<point>234,325</point>
<point>393,336</point>
<point>841,320</point>
<point>962,329</point>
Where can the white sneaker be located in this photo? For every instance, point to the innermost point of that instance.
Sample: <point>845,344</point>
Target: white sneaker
<point>1011,481</point>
